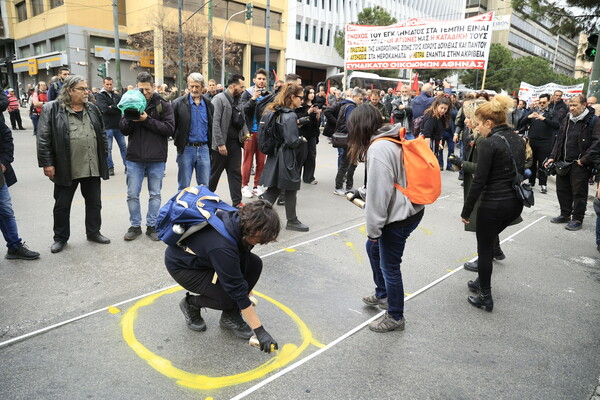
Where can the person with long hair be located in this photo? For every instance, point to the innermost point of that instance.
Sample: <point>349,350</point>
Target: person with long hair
<point>390,215</point>
<point>493,187</point>
<point>38,99</point>
<point>281,170</point>
<point>436,121</point>
<point>309,115</point>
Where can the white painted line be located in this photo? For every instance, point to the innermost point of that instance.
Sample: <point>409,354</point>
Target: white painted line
<point>295,365</point>
<point>356,311</point>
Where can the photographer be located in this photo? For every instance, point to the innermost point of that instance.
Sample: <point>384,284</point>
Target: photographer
<point>309,117</point>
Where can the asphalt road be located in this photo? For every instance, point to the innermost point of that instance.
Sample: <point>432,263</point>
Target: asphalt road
<point>128,339</point>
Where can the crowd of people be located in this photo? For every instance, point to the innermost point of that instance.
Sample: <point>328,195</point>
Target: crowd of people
<point>215,129</point>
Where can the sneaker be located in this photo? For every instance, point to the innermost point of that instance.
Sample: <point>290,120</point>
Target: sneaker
<point>21,252</point>
<point>561,219</point>
<point>233,321</point>
<point>152,233</point>
<point>239,206</point>
<point>339,192</point>
<point>258,191</point>
<point>543,189</point>
<point>374,301</point>
<point>247,192</point>
<point>192,315</point>
<point>386,323</point>
<point>133,232</point>
<point>574,225</point>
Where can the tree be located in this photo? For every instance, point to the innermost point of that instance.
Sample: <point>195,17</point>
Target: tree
<point>425,75</point>
<point>497,71</point>
<point>376,16</point>
<point>566,21</point>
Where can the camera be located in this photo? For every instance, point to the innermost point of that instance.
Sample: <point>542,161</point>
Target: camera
<point>132,114</point>
<point>303,121</point>
<point>550,169</point>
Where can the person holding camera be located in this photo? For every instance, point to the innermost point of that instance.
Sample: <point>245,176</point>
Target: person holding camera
<point>147,152</point>
<point>571,156</point>
<point>309,117</point>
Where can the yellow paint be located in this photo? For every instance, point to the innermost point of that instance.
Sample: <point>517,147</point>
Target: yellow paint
<point>316,343</point>
<point>363,230</point>
<point>450,270</point>
<point>356,253</point>
<point>287,354</point>
<point>335,234</point>
<point>467,258</point>
<point>113,310</point>
<point>288,249</point>
<point>427,231</point>
<point>407,294</point>
<point>209,398</point>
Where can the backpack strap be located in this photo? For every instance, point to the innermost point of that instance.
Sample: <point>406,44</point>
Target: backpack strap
<point>397,141</point>
<point>159,109</point>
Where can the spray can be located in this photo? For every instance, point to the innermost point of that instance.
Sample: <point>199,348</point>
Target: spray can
<point>253,300</point>
<point>255,343</point>
<point>178,229</point>
<point>360,203</point>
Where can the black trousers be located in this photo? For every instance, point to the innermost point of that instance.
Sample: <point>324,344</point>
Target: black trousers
<point>492,218</point>
<point>309,162</point>
<point>214,296</point>
<point>346,170</point>
<point>572,192</point>
<point>290,197</point>
<point>232,164</point>
<point>63,197</point>
<point>15,119</point>
<point>541,150</point>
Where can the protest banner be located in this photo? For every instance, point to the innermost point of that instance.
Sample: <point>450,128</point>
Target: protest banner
<point>529,92</point>
<point>420,44</point>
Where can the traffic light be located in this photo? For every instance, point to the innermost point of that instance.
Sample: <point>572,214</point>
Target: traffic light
<point>591,50</point>
<point>249,8</point>
<point>101,70</point>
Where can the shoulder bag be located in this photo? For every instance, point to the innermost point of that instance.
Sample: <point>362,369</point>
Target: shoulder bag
<point>522,188</point>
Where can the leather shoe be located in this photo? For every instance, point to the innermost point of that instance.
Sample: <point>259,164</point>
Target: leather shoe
<point>98,238</point>
<point>561,219</point>
<point>471,266</point>
<point>295,225</point>
<point>57,247</point>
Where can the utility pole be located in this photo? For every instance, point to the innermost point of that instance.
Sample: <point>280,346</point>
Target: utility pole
<point>117,45</point>
<point>223,50</point>
<point>267,51</point>
<point>180,77</point>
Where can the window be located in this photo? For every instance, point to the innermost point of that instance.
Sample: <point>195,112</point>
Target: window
<point>275,20</point>
<point>298,30</point>
<point>321,37</point>
<point>306,32</point>
<point>37,7</point>
<point>259,17</point>
<point>330,4</point>
<point>328,36</point>
<point>21,11</point>
<point>58,44</point>
<point>25,51</point>
<point>39,48</point>
<point>314,34</point>
<point>56,3</point>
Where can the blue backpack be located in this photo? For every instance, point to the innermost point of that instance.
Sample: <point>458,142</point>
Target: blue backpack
<point>189,211</point>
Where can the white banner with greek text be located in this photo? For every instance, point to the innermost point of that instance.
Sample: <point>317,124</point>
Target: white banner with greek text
<point>529,92</point>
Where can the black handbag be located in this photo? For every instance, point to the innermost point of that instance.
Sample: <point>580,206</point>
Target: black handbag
<point>339,140</point>
<point>522,188</point>
<point>562,167</point>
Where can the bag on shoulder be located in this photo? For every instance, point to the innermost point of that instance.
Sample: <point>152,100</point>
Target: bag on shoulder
<point>421,167</point>
<point>418,125</point>
<point>522,188</point>
<point>339,140</point>
<point>268,133</point>
<point>188,212</point>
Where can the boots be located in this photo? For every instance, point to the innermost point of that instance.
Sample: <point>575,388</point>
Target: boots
<point>483,300</point>
<point>474,286</point>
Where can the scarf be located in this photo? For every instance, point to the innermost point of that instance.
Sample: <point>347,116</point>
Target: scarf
<point>580,116</point>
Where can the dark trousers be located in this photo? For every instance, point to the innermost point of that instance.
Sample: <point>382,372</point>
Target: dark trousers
<point>63,197</point>
<point>290,197</point>
<point>309,162</point>
<point>15,119</point>
<point>572,191</point>
<point>492,218</point>
<point>232,164</point>
<point>346,170</point>
<point>541,150</point>
<point>214,296</point>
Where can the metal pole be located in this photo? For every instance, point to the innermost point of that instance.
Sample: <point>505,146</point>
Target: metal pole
<point>267,51</point>
<point>210,39</point>
<point>117,45</point>
<point>223,53</point>
<point>594,88</point>
<point>180,77</point>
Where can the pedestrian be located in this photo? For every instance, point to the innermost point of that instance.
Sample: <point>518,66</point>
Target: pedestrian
<point>436,122</point>
<point>72,150</point>
<point>310,113</point>
<point>16,249</point>
<point>493,187</point>
<point>390,215</point>
<point>57,83</point>
<point>107,101</point>
<point>38,99</point>
<point>402,110</point>
<point>571,154</point>
<point>424,100</point>
<point>193,133</point>
<point>146,156</point>
<point>14,111</point>
<point>281,170</point>
<point>229,133</point>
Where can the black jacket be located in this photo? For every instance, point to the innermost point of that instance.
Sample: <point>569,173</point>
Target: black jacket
<point>433,128</point>
<point>111,115</point>
<point>3,104</point>
<point>7,150</point>
<point>311,128</point>
<point>215,253</point>
<point>346,108</point>
<point>561,109</point>
<point>495,171</point>
<point>148,140</point>
<point>539,130</point>
<point>53,141</point>
<point>249,105</point>
<point>331,115</point>
<point>586,137</point>
<point>182,111</point>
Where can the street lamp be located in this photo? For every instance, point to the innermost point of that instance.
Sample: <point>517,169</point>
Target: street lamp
<point>223,53</point>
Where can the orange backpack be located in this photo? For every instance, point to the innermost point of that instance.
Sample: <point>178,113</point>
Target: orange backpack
<point>422,169</point>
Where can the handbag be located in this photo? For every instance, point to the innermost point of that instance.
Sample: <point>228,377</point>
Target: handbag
<point>339,140</point>
<point>562,167</point>
<point>522,188</point>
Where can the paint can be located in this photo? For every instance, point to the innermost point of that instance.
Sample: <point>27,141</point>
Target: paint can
<point>360,203</point>
<point>178,229</point>
<point>255,343</point>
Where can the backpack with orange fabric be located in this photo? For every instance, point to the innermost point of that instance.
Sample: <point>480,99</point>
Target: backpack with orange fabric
<point>422,169</point>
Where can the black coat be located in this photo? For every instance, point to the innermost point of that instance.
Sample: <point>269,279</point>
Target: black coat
<point>7,150</point>
<point>53,141</point>
<point>111,115</point>
<point>538,130</point>
<point>586,138</point>
<point>182,111</point>
<point>311,128</point>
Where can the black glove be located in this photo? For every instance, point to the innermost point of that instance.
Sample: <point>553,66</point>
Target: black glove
<point>265,340</point>
<point>358,193</point>
<point>454,160</point>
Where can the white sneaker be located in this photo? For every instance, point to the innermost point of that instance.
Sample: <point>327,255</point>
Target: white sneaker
<point>258,191</point>
<point>246,192</point>
<point>339,192</point>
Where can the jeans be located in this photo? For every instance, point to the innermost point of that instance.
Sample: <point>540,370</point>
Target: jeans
<point>446,138</point>
<point>252,152</point>
<point>135,176</point>
<point>193,159</point>
<point>385,257</point>
<point>8,223</point>
<point>34,119</point>
<point>110,133</point>
<point>63,198</point>
<point>345,170</point>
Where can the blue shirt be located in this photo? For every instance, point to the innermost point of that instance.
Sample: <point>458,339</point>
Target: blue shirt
<point>198,122</point>
<point>254,120</point>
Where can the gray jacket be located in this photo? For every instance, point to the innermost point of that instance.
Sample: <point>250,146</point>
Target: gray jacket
<point>386,204</point>
<point>222,119</point>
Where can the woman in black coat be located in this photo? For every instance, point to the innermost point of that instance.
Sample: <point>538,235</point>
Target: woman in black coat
<point>436,121</point>
<point>309,117</point>
<point>493,186</point>
<point>281,170</point>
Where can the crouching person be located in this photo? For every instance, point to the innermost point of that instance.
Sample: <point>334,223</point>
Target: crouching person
<point>222,274</point>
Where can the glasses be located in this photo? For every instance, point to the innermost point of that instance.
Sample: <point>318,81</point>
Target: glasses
<point>82,89</point>
<point>542,102</point>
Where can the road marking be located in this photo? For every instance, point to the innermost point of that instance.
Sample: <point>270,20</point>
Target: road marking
<point>360,327</point>
<point>356,253</point>
<point>356,311</point>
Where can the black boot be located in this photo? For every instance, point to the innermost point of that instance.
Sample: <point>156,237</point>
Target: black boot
<point>474,286</point>
<point>471,266</point>
<point>192,315</point>
<point>483,300</point>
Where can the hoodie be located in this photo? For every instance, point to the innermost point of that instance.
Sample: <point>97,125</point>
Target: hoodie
<point>386,204</point>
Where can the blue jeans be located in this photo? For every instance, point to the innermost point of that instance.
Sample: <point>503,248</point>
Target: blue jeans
<point>34,119</point>
<point>385,257</point>
<point>447,137</point>
<point>135,176</point>
<point>110,133</point>
<point>8,223</point>
<point>193,159</point>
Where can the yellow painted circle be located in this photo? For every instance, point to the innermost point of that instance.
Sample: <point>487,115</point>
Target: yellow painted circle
<point>287,354</point>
